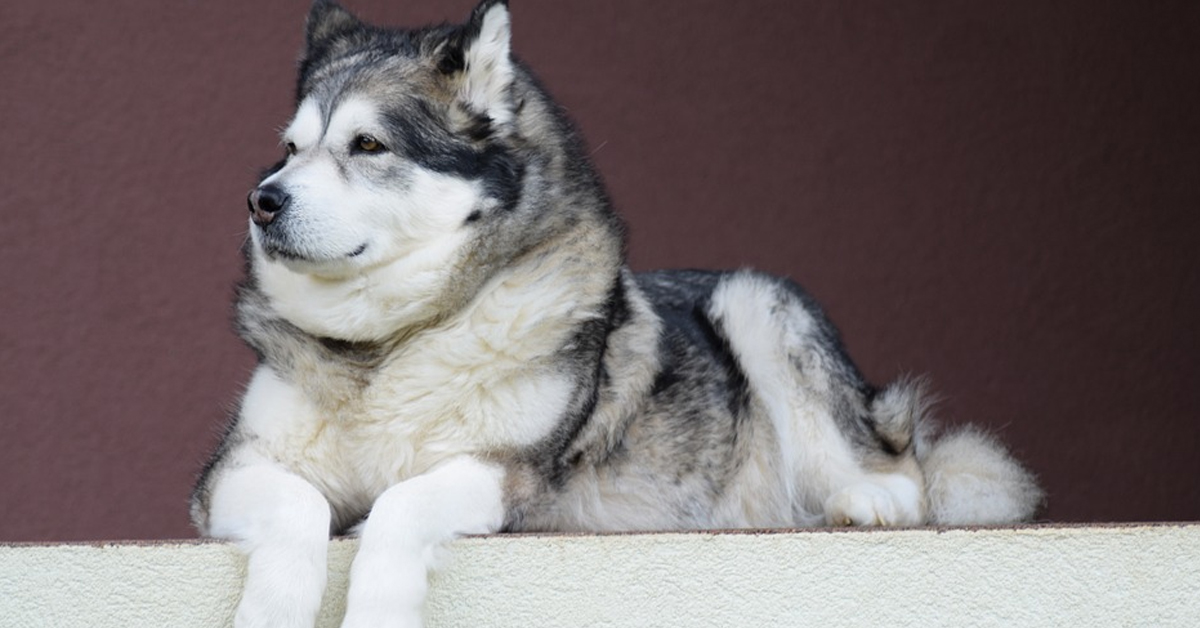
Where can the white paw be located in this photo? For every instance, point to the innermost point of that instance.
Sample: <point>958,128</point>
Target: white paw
<point>385,592</point>
<point>890,500</point>
<point>282,601</point>
<point>378,618</point>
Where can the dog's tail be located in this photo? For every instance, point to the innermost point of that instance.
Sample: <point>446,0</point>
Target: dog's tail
<point>970,478</point>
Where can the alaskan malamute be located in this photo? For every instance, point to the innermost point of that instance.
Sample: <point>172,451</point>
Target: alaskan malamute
<point>450,343</point>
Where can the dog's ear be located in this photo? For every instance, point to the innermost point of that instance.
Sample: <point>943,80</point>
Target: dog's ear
<point>327,22</point>
<point>329,27</point>
<point>478,56</point>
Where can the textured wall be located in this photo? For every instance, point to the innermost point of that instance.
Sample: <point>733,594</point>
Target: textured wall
<point>1001,195</point>
<point>1049,577</point>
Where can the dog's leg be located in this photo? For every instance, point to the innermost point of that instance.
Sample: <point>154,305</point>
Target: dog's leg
<point>407,524</point>
<point>888,490</point>
<point>282,523</point>
<point>784,349</point>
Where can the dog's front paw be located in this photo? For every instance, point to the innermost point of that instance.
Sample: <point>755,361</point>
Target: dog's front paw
<point>381,618</point>
<point>385,592</point>
<point>883,501</point>
<point>294,605</point>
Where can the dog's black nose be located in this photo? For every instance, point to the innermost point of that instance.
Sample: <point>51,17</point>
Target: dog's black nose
<point>267,202</point>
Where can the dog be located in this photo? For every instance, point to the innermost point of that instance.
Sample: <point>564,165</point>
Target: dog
<point>450,342</point>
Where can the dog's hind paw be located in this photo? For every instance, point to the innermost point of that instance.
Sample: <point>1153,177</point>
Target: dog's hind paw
<point>885,500</point>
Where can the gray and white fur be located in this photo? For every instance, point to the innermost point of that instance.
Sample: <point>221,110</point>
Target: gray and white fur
<point>450,342</point>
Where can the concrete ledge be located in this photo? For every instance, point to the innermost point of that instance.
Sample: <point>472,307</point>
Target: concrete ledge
<point>1120,575</point>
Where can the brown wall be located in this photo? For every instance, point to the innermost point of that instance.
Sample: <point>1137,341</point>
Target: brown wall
<point>1002,195</point>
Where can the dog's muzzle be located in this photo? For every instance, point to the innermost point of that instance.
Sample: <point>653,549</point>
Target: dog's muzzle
<point>266,203</point>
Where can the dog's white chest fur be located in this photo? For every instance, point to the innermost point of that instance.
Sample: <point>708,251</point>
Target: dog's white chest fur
<point>479,383</point>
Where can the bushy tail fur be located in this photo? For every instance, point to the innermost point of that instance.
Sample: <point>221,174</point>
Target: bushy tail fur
<point>970,478</point>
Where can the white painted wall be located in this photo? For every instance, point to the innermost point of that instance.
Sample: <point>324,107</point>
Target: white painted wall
<point>1087,577</point>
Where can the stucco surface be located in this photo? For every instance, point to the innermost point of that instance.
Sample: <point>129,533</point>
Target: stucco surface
<point>1041,576</point>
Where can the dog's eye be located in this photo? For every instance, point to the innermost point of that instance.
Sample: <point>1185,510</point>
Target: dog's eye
<point>290,147</point>
<point>368,144</point>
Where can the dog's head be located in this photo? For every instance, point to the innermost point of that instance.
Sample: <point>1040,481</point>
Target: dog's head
<point>403,186</point>
<point>399,146</point>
